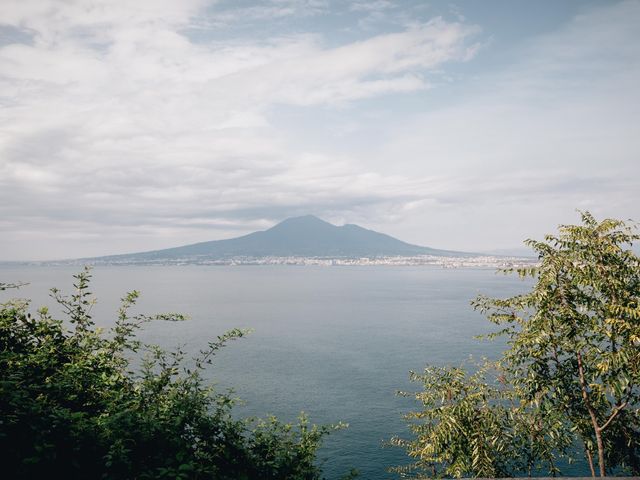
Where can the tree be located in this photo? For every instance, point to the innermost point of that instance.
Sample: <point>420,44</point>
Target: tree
<point>72,406</point>
<point>575,337</point>
<point>571,374</point>
<point>475,425</point>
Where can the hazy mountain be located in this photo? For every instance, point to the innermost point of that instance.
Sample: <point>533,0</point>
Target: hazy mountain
<point>306,236</point>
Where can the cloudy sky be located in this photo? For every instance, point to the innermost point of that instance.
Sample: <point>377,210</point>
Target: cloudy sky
<point>135,125</point>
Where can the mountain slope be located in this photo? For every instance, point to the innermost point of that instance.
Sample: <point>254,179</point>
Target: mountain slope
<point>306,236</point>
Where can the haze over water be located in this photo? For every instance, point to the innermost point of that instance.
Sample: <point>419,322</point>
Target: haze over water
<point>336,342</point>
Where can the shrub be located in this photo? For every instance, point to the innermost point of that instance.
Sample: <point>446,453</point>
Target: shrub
<point>72,405</point>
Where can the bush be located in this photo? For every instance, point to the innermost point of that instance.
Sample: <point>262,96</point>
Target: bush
<point>72,406</point>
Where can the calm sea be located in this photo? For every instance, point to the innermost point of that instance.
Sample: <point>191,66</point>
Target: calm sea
<point>334,342</point>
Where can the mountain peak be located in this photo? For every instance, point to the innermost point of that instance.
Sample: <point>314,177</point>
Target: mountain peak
<point>304,221</point>
<point>306,236</point>
<point>304,218</point>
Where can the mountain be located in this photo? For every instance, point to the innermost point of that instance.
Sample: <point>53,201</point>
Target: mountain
<point>306,236</point>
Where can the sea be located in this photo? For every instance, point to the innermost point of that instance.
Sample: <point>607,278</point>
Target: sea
<point>335,342</point>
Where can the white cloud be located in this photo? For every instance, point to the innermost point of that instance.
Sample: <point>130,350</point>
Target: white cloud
<point>120,132</point>
<point>269,10</point>
<point>112,117</point>
<point>529,144</point>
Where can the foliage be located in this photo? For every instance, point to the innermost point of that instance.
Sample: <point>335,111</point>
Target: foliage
<point>575,337</point>
<point>71,405</point>
<point>6,286</point>
<point>572,369</point>
<point>470,425</point>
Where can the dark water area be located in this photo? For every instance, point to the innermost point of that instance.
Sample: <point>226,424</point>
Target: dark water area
<point>334,342</point>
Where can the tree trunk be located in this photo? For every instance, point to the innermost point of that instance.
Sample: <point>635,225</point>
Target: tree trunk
<point>590,460</point>
<point>603,472</point>
<point>592,414</point>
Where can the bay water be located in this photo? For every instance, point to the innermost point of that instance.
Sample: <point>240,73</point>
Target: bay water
<point>334,342</point>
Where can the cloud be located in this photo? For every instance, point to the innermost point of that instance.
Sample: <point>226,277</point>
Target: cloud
<point>528,144</point>
<point>130,126</point>
<point>113,117</point>
<point>568,104</point>
<point>272,10</point>
<point>372,6</point>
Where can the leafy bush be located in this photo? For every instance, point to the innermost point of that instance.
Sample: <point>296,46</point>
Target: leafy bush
<point>72,406</point>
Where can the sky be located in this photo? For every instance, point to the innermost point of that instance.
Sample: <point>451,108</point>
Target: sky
<point>130,126</point>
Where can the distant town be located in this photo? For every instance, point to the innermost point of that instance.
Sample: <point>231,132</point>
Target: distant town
<point>395,260</point>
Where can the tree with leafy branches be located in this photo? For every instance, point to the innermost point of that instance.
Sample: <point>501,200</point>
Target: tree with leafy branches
<point>575,337</point>
<point>72,406</point>
<point>474,424</point>
<point>570,375</point>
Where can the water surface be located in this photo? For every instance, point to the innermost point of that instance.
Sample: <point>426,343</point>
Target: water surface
<point>335,342</point>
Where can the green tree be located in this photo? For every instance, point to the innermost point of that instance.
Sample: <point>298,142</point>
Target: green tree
<point>570,376</point>
<point>575,337</point>
<point>72,406</point>
<point>475,425</point>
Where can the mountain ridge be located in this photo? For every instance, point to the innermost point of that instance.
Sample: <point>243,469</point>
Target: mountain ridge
<point>303,236</point>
